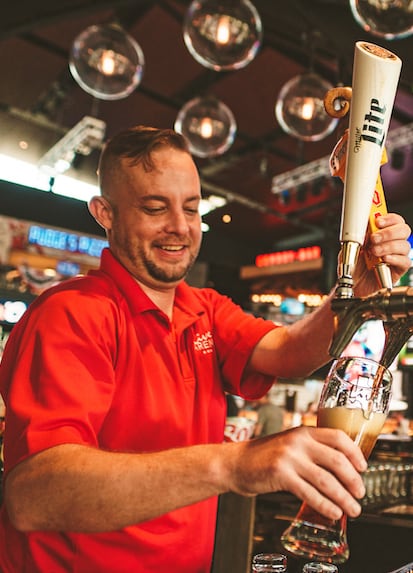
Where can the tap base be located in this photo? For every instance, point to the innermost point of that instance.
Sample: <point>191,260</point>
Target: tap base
<point>348,259</point>
<point>344,288</point>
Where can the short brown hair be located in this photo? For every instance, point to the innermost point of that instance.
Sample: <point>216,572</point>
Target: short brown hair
<point>137,144</point>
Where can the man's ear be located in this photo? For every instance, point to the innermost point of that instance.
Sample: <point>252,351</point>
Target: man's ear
<point>101,211</point>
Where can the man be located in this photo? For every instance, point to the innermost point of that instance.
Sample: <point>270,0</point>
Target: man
<point>115,389</point>
<point>270,417</point>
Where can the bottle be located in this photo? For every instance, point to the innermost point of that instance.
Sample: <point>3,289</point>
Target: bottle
<point>269,562</point>
<point>314,567</point>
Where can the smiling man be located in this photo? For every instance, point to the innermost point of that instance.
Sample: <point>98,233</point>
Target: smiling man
<point>115,387</point>
<point>150,212</point>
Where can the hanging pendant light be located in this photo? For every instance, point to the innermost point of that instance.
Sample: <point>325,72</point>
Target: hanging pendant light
<point>106,62</point>
<point>208,125</point>
<point>389,19</point>
<point>223,34</point>
<point>299,108</point>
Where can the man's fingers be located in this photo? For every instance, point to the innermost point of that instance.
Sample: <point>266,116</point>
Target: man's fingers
<point>343,445</point>
<point>327,497</point>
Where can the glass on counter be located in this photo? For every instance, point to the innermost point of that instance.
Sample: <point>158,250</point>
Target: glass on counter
<point>269,562</point>
<point>316,567</point>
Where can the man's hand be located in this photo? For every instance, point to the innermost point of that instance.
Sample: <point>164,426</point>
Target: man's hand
<point>319,465</point>
<point>391,245</point>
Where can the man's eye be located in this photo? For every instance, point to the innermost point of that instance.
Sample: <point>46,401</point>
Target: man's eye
<point>153,210</point>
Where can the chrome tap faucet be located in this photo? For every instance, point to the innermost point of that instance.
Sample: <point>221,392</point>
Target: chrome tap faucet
<point>394,307</point>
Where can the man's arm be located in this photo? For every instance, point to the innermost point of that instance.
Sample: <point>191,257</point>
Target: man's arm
<point>301,348</point>
<point>76,488</point>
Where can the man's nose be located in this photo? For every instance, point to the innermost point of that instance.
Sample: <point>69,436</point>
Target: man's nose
<point>178,222</point>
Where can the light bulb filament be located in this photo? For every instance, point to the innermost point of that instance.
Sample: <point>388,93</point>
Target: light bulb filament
<point>107,62</point>
<point>307,109</point>
<point>206,128</point>
<point>223,30</point>
<point>110,63</point>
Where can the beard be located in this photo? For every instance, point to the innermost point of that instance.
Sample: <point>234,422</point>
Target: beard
<point>170,275</point>
<point>163,273</point>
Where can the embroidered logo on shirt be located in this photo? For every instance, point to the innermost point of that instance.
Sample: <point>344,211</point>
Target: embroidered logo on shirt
<point>204,342</point>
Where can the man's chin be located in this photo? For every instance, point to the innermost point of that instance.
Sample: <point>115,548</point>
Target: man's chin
<point>169,274</point>
<point>170,278</point>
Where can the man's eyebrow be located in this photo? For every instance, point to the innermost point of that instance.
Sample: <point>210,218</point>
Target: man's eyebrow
<point>154,197</point>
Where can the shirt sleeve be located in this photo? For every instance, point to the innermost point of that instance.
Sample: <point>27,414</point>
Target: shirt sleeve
<point>57,373</point>
<point>236,333</point>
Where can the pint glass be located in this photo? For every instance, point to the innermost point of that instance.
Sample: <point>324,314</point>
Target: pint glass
<point>355,398</point>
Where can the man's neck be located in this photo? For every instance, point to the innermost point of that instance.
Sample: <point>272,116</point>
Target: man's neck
<point>164,299</point>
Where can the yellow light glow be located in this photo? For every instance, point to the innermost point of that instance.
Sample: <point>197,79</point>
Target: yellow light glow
<point>267,298</point>
<point>223,30</point>
<point>108,62</point>
<point>307,110</point>
<point>206,128</point>
<point>310,300</point>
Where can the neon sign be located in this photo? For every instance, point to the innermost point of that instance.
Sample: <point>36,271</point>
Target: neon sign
<point>290,256</point>
<point>64,241</point>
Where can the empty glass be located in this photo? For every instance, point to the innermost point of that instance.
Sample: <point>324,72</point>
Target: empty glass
<point>355,398</point>
<point>319,568</point>
<point>267,562</point>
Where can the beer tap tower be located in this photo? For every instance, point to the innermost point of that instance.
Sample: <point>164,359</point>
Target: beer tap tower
<point>357,160</point>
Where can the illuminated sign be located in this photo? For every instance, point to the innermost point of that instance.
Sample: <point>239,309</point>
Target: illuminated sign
<point>12,310</point>
<point>68,268</point>
<point>65,241</point>
<point>285,257</point>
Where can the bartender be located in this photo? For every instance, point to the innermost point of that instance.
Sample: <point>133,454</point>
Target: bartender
<point>115,384</point>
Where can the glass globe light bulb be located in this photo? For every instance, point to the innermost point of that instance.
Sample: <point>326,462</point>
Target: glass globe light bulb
<point>106,62</point>
<point>389,19</point>
<point>208,125</point>
<point>299,108</point>
<point>222,35</point>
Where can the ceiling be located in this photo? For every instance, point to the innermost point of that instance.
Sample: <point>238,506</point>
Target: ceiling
<point>40,101</point>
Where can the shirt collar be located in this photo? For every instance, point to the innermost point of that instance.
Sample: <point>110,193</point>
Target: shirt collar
<point>186,302</point>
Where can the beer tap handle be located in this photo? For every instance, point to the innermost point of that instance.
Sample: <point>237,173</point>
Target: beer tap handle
<point>378,208</point>
<point>338,168</point>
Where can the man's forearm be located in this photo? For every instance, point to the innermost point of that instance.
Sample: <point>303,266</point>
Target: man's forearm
<point>76,488</point>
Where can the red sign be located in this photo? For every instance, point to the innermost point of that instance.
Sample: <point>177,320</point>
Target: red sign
<point>285,257</point>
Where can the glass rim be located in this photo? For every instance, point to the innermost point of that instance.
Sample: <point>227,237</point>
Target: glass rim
<point>365,360</point>
<point>263,558</point>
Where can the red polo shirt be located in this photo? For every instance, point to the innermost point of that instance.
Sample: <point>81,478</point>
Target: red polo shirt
<point>93,361</point>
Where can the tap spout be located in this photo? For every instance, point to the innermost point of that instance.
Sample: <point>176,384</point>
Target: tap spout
<point>397,333</point>
<point>394,307</point>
